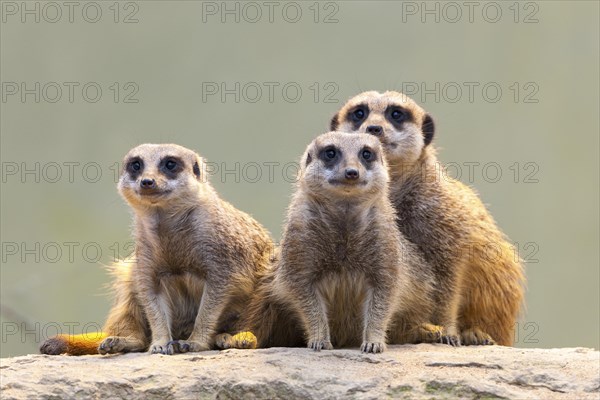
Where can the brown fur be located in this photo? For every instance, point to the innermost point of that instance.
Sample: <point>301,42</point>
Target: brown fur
<point>197,258</point>
<point>345,271</point>
<point>479,283</point>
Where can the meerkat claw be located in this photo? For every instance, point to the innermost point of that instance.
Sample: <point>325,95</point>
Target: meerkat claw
<point>452,340</point>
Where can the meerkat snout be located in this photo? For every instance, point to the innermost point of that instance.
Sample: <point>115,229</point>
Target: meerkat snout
<point>148,184</point>
<point>376,130</point>
<point>351,174</point>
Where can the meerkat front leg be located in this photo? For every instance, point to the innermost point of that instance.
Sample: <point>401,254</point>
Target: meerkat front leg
<point>211,308</point>
<point>449,319</point>
<point>313,311</point>
<point>158,313</point>
<point>378,310</point>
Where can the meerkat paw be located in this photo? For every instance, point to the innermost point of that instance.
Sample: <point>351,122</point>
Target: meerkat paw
<point>429,333</point>
<point>242,340</point>
<point>372,347</point>
<point>320,344</point>
<point>475,336</point>
<point>185,346</point>
<point>159,347</point>
<point>223,341</point>
<point>111,345</point>
<point>120,344</point>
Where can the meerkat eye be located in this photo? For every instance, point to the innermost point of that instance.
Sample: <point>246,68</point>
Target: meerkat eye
<point>135,165</point>
<point>367,155</point>
<point>358,114</point>
<point>330,154</point>
<point>398,115</point>
<point>170,165</point>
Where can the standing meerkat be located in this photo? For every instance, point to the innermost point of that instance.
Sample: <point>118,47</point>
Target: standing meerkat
<point>344,270</point>
<point>197,260</point>
<point>479,279</point>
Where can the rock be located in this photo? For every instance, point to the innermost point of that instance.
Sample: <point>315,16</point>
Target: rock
<point>412,371</point>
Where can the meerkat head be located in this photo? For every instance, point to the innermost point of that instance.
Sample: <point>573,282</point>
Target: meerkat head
<point>157,175</point>
<point>338,164</point>
<point>402,126</point>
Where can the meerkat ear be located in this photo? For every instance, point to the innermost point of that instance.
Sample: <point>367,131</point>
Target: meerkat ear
<point>428,128</point>
<point>199,168</point>
<point>335,122</point>
<point>308,159</point>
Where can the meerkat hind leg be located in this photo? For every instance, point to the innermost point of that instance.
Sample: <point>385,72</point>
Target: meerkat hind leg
<point>475,336</point>
<point>121,344</point>
<point>241,340</point>
<point>428,333</point>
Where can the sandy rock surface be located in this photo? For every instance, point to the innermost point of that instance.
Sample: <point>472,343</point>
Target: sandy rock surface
<point>412,371</point>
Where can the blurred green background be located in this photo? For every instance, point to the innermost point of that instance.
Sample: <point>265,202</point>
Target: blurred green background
<point>63,221</point>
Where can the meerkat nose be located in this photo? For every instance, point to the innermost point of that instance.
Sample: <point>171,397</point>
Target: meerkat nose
<point>351,173</point>
<point>147,183</point>
<point>375,130</point>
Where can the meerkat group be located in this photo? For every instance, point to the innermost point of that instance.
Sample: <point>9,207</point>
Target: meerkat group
<point>377,249</point>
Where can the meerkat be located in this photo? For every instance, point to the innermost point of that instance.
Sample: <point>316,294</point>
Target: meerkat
<point>479,279</point>
<point>197,259</point>
<point>344,269</point>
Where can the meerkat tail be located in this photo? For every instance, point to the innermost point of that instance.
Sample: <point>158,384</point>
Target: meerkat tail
<point>73,345</point>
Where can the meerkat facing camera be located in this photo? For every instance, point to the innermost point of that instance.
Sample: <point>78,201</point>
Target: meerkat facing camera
<point>197,259</point>
<point>344,270</point>
<point>479,280</point>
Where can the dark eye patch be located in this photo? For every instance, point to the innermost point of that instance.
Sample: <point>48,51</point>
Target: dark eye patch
<point>367,156</point>
<point>398,116</point>
<point>171,166</point>
<point>330,155</point>
<point>134,167</point>
<point>357,115</point>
